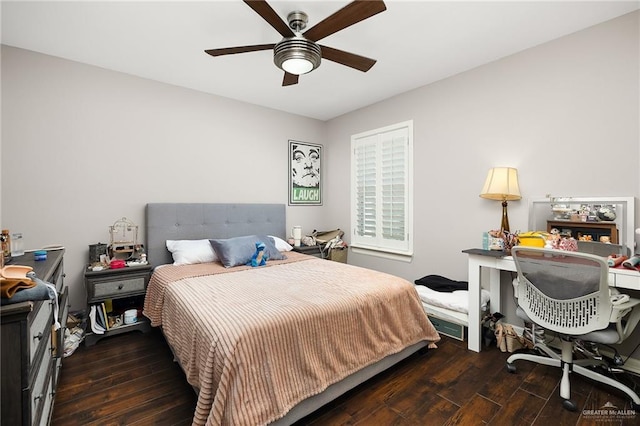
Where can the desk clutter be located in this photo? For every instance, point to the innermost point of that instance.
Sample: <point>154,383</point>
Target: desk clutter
<point>504,241</point>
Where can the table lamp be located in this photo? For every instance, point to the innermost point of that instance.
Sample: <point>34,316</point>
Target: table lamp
<point>502,185</point>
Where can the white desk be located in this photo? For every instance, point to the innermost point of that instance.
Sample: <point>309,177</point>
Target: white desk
<point>478,259</point>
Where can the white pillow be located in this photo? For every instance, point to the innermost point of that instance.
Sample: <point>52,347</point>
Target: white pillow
<point>188,252</point>
<point>281,244</point>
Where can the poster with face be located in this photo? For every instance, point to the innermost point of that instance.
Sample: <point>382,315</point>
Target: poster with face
<point>305,182</point>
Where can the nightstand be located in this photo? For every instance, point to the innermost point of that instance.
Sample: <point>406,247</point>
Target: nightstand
<point>126,288</point>
<point>310,250</point>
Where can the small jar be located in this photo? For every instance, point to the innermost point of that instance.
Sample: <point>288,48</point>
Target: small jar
<point>40,255</point>
<point>5,238</point>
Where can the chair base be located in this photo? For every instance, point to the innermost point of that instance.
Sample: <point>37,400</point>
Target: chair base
<point>565,361</point>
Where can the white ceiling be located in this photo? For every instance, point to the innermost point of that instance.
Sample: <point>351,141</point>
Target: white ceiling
<point>415,43</point>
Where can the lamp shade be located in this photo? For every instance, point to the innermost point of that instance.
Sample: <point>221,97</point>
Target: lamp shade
<point>501,184</point>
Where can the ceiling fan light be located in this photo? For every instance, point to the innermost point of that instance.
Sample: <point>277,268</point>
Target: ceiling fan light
<point>297,66</point>
<point>297,55</point>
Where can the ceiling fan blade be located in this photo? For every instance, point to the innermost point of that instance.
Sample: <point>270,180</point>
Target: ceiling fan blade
<point>239,49</point>
<point>290,79</point>
<point>349,59</point>
<point>352,13</point>
<point>262,8</point>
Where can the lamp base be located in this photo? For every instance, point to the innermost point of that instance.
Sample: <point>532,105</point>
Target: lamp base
<point>504,225</point>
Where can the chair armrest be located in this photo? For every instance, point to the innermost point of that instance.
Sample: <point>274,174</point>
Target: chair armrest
<point>620,311</point>
<point>623,309</point>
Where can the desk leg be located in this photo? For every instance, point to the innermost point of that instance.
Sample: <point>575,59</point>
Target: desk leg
<point>475,329</point>
<point>494,290</point>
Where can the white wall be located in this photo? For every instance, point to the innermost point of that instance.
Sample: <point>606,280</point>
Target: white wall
<point>564,113</point>
<point>83,147</point>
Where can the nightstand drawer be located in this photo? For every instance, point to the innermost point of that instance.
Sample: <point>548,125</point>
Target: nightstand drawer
<point>114,289</point>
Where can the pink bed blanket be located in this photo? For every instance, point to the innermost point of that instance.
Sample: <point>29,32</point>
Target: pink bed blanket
<point>257,341</point>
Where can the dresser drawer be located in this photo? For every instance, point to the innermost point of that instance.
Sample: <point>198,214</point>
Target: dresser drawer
<point>41,389</point>
<point>115,289</point>
<point>58,278</point>
<point>47,408</point>
<point>57,337</point>
<point>39,329</point>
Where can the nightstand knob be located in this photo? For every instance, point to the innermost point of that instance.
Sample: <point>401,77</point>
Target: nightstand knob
<point>38,336</point>
<point>120,286</point>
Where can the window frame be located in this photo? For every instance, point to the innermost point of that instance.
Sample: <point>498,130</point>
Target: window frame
<point>379,245</point>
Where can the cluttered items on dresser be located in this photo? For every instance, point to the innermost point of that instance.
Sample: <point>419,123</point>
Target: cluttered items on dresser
<point>123,249</point>
<point>19,283</point>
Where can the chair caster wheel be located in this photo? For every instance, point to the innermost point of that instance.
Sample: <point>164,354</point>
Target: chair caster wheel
<point>569,405</point>
<point>511,368</point>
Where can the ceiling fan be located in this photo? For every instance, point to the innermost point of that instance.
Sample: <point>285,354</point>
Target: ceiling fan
<point>297,53</point>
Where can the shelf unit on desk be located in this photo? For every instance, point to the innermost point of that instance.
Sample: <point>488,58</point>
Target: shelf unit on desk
<point>116,284</point>
<point>594,229</point>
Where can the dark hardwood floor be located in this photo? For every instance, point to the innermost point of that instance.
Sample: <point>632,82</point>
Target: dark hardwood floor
<point>131,379</point>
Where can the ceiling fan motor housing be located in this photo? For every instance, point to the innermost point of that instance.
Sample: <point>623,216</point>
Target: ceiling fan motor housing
<point>297,48</point>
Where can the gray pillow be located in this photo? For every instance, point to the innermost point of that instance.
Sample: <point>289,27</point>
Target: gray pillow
<point>239,250</point>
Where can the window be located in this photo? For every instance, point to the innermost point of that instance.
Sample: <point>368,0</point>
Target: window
<point>381,185</point>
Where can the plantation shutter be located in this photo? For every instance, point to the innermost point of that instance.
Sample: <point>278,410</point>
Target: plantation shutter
<point>381,189</point>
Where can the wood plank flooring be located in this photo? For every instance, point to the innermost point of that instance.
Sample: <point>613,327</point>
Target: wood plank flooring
<point>131,379</point>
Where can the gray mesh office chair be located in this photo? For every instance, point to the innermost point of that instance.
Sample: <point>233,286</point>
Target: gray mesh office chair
<point>568,293</point>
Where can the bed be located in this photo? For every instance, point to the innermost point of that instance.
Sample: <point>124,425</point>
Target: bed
<point>270,345</point>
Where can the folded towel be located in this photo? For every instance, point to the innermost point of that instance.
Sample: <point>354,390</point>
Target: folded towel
<point>38,291</point>
<point>9,286</point>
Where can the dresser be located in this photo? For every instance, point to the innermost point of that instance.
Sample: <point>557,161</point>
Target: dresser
<point>32,350</point>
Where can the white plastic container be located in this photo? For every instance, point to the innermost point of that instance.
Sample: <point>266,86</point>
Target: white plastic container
<point>131,316</point>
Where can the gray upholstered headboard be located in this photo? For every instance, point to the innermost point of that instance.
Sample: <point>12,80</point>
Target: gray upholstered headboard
<point>193,221</point>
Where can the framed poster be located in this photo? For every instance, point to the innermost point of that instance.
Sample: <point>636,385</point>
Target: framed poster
<point>305,174</point>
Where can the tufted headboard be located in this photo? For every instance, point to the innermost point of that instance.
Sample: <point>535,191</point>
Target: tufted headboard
<point>192,221</point>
